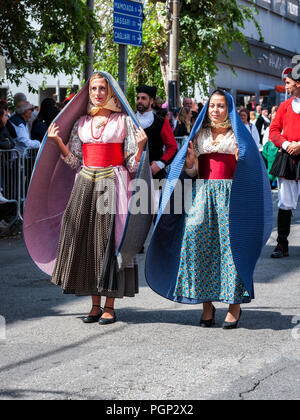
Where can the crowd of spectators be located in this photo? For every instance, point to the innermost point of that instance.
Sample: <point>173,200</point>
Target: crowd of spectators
<point>21,128</point>
<point>258,123</point>
<point>25,126</point>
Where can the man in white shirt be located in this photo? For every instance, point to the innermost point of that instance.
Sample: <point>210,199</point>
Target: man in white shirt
<point>161,141</point>
<point>262,123</point>
<point>18,128</point>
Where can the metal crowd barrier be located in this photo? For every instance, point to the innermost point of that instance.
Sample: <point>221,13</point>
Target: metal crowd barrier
<point>27,161</point>
<point>15,174</point>
<point>180,141</point>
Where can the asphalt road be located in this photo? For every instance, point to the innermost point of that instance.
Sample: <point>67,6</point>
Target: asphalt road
<point>156,350</point>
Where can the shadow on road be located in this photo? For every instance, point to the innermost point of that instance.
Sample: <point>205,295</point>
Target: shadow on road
<point>252,318</point>
<point>18,394</point>
<point>272,269</point>
<point>62,349</point>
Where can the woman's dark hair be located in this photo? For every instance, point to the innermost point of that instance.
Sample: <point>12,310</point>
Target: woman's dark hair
<point>3,107</point>
<point>247,112</point>
<point>183,113</point>
<point>48,111</point>
<point>200,107</point>
<point>218,92</point>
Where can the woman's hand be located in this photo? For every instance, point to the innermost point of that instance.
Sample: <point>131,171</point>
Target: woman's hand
<point>53,134</point>
<point>237,153</point>
<point>141,138</point>
<point>190,157</point>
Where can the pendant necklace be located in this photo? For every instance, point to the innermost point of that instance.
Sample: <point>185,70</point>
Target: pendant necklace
<point>98,126</point>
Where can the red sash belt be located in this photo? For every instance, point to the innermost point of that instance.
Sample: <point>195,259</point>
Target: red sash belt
<point>216,166</point>
<point>102,155</point>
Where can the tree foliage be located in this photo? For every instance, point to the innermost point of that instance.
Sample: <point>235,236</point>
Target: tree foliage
<point>143,63</point>
<point>207,28</point>
<point>47,36</point>
<point>38,36</point>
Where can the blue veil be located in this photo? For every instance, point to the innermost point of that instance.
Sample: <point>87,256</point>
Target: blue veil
<point>250,214</point>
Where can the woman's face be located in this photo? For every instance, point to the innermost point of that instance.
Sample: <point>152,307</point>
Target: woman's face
<point>4,118</point>
<point>217,109</point>
<point>244,117</point>
<point>98,91</point>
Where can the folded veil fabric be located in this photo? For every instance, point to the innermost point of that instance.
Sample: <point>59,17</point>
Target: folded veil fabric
<point>51,185</point>
<point>250,216</point>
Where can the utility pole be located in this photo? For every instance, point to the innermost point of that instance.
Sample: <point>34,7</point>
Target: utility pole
<point>173,85</point>
<point>89,68</point>
<point>58,90</point>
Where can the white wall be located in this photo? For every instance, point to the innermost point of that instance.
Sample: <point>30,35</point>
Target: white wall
<point>37,81</point>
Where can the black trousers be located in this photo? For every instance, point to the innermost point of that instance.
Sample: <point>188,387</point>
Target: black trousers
<point>284,227</point>
<point>8,211</point>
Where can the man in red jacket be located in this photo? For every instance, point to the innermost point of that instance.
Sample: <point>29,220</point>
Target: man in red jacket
<point>285,134</point>
<point>161,140</point>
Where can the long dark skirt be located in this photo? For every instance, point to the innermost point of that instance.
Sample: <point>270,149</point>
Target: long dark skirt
<point>86,262</point>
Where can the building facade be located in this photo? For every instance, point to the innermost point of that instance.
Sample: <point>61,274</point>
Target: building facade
<point>44,86</point>
<point>258,78</point>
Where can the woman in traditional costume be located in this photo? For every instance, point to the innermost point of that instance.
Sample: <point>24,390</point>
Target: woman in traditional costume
<point>209,253</point>
<point>109,148</point>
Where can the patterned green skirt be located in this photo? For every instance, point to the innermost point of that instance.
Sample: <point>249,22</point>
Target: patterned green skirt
<point>207,272</point>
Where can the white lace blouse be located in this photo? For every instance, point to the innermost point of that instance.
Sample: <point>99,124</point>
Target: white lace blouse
<point>204,144</point>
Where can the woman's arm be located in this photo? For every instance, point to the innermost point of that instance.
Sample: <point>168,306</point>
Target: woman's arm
<point>190,161</point>
<point>134,145</point>
<point>71,154</point>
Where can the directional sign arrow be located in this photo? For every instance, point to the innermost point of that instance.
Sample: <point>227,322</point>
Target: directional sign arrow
<point>128,22</point>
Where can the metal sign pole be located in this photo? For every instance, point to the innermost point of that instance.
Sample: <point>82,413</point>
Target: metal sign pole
<point>128,30</point>
<point>123,68</point>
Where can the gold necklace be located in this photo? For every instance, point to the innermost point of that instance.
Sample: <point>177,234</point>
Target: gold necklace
<point>218,139</point>
<point>100,122</point>
<point>215,141</point>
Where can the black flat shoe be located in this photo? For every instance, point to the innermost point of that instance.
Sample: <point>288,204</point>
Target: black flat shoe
<point>232,325</point>
<point>280,252</point>
<point>106,321</point>
<point>209,322</point>
<point>91,319</point>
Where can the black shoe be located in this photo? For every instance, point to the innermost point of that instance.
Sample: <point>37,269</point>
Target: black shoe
<point>91,319</point>
<point>106,321</point>
<point>209,322</point>
<point>280,252</point>
<point>231,325</point>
